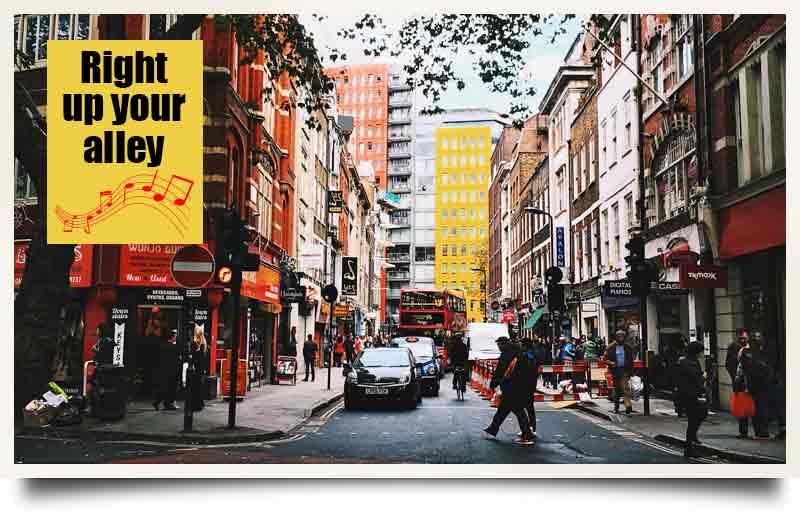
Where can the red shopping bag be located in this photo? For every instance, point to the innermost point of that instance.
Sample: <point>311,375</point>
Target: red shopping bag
<point>742,405</point>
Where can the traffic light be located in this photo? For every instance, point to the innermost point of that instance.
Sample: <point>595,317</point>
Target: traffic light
<point>555,297</point>
<point>232,238</point>
<point>641,272</point>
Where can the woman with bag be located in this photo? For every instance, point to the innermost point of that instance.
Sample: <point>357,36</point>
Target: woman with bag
<point>757,377</point>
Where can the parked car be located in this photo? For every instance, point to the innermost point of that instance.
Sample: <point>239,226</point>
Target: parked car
<point>383,375</point>
<point>426,355</point>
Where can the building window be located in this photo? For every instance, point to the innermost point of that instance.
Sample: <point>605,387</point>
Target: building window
<point>578,255</point>
<point>630,210</point>
<point>444,233</point>
<point>671,166</point>
<point>444,250</point>
<point>444,214</point>
<point>576,170</point>
<point>444,268</point>
<point>159,24</point>
<point>587,250</point>
<point>463,250</point>
<point>626,110</point>
<point>560,191</point>
<point>453,250</point>
<point>615,230</point>
<point>604,145</point>
<point>614,153</point>
<point>682,37</point>
<point>606,242</point>
<point>24,189</point>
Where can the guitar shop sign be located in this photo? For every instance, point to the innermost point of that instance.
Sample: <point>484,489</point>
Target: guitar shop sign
<point>349,276</point>
<point>703,277</point>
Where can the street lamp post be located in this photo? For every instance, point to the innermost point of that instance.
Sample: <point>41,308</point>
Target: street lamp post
<point>541,212</point>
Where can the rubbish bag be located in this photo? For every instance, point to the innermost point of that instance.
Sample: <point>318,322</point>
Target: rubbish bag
<point>637,387</point>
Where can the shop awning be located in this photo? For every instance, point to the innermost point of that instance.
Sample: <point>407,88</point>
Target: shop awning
<point>753,225</point>
<point>534,318</point>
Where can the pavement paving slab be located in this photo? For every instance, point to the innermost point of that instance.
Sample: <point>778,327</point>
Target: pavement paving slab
<point>267,412</point>
<point>717,433</point>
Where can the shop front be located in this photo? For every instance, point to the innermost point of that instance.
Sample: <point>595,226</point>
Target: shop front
<point>68,361</point>
<point>752,249</point>
<point>262,289</point>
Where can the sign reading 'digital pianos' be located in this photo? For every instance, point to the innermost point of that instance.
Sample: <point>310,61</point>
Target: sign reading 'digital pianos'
<point>124,142</point>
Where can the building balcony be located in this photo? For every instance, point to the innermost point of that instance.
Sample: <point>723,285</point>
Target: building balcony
<point>393,294</point>
<point>399,120</point>
<point>400,102</point>
<point>405,187</point>
<point>398,276</point>
<point>400,222</point>
<point>399,153</point>
<point>398,85</point>
<point>399,258</point>
<point>399,138</point>
<point>398,171</point>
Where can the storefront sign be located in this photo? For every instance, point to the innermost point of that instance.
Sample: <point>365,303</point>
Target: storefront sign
<point>669,289</point>
<point>509,317</point>
<point>703,277</point>
<point>342,310</point>
<point>119,316</point>
<point>164,296</point>
<point>335,202</point>
<point>263,285</point>
<point>560,259</point>
<point>350,276</point>
<point>146,265</point>
<point>616,288</point>
<point>80,273</point>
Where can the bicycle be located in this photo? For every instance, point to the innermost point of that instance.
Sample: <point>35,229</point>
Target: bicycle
<point>460,382</point>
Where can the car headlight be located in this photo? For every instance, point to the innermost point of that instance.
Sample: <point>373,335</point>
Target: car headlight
<point>430,369</point>
<point>405,378</point>
<point>352,377</point>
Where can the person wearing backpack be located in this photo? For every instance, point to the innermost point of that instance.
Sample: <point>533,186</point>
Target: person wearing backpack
<point>510,376</point>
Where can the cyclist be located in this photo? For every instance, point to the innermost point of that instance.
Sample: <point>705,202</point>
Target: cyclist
<point>459,356</point>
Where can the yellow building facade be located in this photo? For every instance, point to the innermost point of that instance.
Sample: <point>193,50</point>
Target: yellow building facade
<point>463,156</point>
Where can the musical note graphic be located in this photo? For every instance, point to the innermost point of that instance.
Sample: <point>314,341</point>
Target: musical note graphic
<point>110,201</point>
<point>150,186</point>
<point>137,190</point>
<point>178,201</point>
<point>129,185</point>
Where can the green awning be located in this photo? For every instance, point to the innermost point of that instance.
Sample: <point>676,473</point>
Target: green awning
<point>533,318</point>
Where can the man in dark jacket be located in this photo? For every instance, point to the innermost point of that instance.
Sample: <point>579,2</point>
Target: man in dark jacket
<point>349,348</point>
<point>168,372</point>
<point>510,376</point>
<point>291,347</point>
<point>532,375</point>
<point>309,357</point>
<point>690,386</point>
<point>619,358</point>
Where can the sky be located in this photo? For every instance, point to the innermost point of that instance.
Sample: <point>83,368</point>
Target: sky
<point>543,61</point>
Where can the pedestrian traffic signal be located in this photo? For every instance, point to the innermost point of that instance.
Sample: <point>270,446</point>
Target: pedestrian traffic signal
<point>555,297</point>
<point>635,249</point>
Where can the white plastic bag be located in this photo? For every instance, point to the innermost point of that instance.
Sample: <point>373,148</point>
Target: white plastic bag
<point>636,386</point>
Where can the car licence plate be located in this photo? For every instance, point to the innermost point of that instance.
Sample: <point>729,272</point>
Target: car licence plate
<point>376,390</point>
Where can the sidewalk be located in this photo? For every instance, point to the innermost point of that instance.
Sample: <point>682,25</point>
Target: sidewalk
<point>717,433</point>
<point>267,412</point>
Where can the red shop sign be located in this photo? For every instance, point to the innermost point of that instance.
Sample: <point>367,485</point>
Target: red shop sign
<point>703,277</point>
<point>80,274</point>
<point>147,265</point>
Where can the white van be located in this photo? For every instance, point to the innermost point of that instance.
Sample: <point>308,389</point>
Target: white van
<point>481,339</point>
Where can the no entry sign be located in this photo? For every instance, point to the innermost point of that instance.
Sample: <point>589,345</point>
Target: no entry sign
<point>192,266</point>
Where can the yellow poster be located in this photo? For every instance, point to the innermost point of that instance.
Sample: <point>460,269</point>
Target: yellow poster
<point>124,142</point>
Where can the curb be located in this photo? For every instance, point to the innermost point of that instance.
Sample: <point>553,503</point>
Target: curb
<point>224,435</point>
<point>594,412</point>
<point>742,457</point>
<point>307,413</point>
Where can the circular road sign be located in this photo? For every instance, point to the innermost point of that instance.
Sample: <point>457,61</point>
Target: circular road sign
<point>192,266</point>
<point>330,293</point>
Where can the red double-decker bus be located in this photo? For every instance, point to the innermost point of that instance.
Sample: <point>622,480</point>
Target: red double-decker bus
<point>432,313</point>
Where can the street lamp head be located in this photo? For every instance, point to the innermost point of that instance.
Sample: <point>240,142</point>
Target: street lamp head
<point>535,210</point>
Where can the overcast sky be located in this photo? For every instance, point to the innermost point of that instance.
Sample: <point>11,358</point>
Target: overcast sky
<point>543,61</point>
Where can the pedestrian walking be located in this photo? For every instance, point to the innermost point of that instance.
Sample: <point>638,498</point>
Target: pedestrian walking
<point>167,372</point>
<point>690,387</point>
<point>309,357</point>
<point>619,357</point>
<point>338,350</point>
<point>509,376</point>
